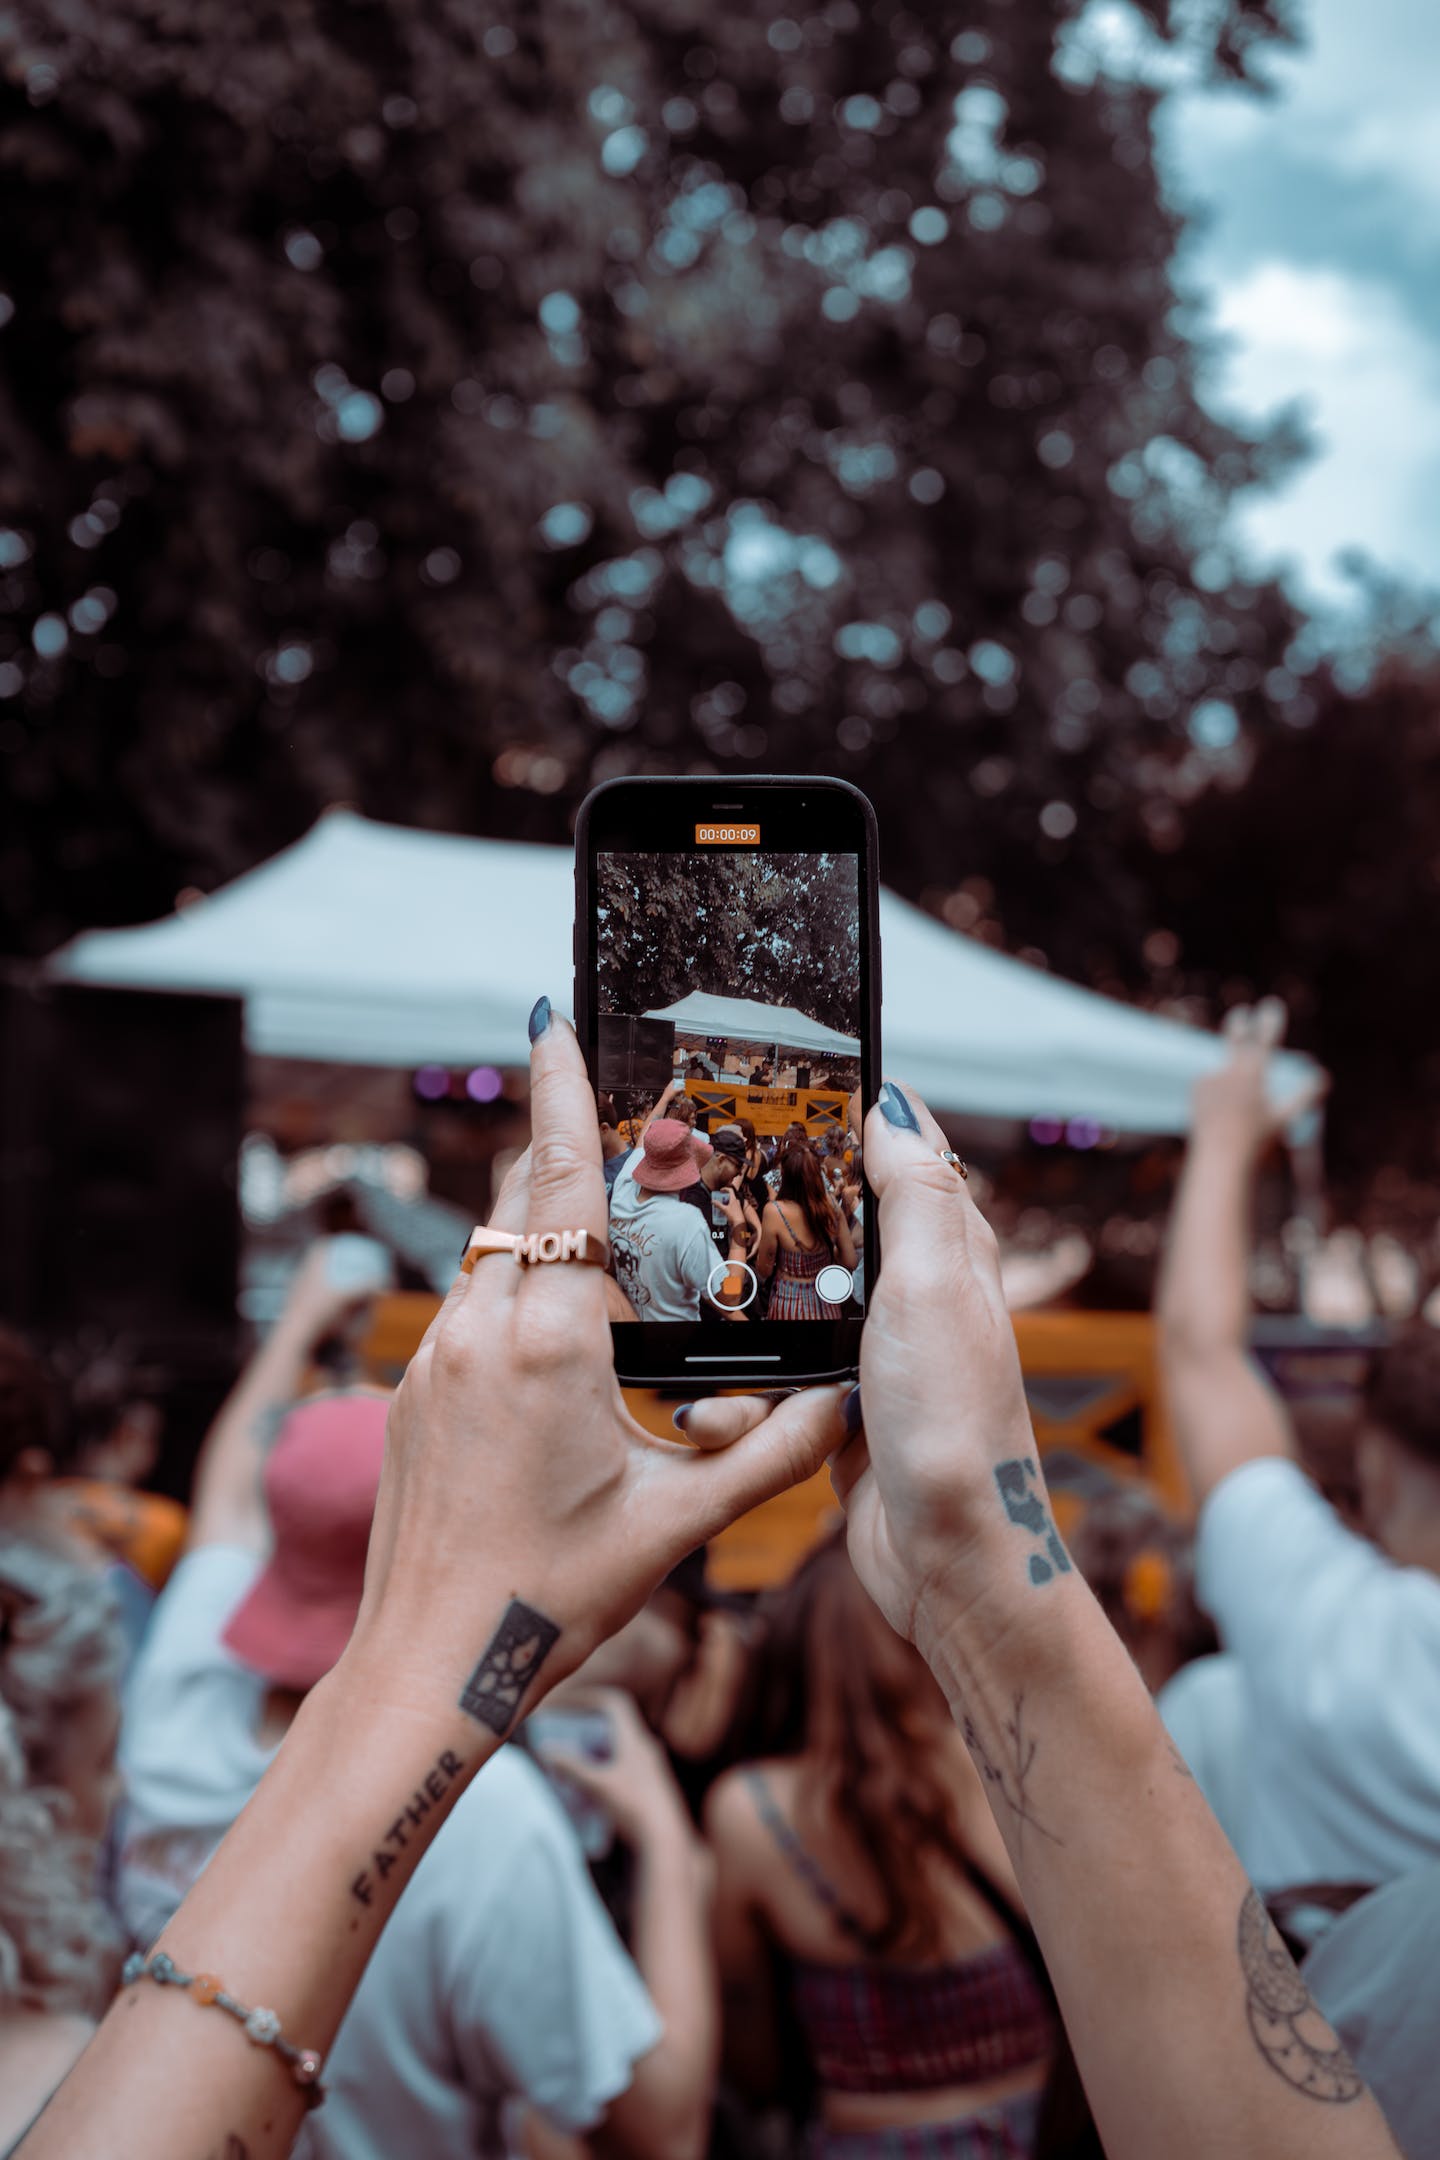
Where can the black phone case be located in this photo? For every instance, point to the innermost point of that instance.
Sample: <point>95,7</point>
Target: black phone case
<point>586,1023</point>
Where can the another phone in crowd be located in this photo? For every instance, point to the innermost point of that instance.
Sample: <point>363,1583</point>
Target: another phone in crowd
<point>588,1734</point>
<point>727,951</point>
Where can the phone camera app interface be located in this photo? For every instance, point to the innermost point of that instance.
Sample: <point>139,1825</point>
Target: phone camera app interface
<point>729,1045</point>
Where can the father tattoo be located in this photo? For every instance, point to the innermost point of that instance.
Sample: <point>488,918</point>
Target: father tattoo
<point>425,1797</point>
<point>1020,1489</point>
<point>518,1648</point>
<point>1288,2028</point>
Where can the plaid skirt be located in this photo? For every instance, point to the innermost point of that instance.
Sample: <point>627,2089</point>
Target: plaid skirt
<point>1005,2132</point>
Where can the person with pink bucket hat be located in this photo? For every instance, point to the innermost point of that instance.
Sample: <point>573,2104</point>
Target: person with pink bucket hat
<point>260,1606</point>
<point>258,1612</point>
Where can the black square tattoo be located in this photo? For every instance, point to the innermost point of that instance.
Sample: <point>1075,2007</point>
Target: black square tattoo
<point>519,1647</point>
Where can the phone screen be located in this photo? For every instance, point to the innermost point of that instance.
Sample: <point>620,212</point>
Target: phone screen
<point>730,1002</point>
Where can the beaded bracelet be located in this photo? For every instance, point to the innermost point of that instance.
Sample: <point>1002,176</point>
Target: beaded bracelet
<point>262,2027</point>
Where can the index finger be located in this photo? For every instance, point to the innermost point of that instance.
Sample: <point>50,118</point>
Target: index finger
<point>567,1184</point>
<point>903,1152</point>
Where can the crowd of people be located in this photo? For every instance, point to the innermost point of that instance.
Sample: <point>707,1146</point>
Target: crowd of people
<point>898,1859</point>
<point>722,1224</point>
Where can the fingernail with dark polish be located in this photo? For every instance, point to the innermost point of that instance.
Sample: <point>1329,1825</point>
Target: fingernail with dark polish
<point>896,1108</point>
<point>852,1412</point>
<point>678,1417</point>
<point>539,1018</point>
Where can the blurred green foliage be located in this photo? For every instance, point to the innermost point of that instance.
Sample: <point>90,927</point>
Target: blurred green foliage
<point>774,928</point>
<point>439,405</point>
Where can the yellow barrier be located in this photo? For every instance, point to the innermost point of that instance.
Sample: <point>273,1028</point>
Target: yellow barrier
<point>1094,1396</point>
<point>770,1110</point>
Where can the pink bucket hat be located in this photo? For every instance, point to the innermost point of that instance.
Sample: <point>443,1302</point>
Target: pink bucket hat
<point>667,1162</point>
<point>321,1479</point>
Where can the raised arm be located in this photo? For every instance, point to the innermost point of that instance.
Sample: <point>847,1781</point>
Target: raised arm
<point>228,1507</point>
<point>662,1107</point>
<point>665,2111</point>
<point>1224,1410</point>
<point>522,1517</point>
<point>1193,2032</point>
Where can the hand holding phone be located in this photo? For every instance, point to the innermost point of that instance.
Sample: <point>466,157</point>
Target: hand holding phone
<point>633,1783</point>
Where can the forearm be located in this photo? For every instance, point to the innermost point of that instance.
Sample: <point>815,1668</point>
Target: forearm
<point>1204,1292</point>
<point>1192,2030</point>
<point>674,2084</point>
<point>286,1915</point>
<point>1223,1408</point>
<point>227,1474</point>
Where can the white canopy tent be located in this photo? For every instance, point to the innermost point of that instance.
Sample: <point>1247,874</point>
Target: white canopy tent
<point>376,945</point>
<point>744,1020</point>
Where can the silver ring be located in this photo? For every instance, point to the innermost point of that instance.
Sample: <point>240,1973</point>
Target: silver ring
<point>949,1155</point>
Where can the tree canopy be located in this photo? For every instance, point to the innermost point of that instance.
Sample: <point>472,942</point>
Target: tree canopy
<point>779,929</point>
<point>439,405</point>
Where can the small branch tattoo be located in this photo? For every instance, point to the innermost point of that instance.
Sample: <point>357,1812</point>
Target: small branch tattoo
<point>1287,2026</point>
<point>1009,1779</point>
<point>1179,1764</point>
<point>518,1648</point>
<point>425,1797</point>
<point>1023,1495</point>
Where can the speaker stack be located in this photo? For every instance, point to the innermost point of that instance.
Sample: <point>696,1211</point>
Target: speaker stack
<point>121,1115</point>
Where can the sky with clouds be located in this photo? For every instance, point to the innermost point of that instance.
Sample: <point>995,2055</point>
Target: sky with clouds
<point>1318,245</point>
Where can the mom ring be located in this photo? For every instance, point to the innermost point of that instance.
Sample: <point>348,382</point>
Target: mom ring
<point>536,1248</point>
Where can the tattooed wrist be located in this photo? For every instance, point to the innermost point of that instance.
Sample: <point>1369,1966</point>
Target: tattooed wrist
<point>514,1655</point>
<point>1023,1495</point>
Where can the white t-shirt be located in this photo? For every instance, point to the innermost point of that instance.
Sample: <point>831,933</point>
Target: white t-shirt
<point>500,1973</point>
<point>663,1253</point>
<point>188,1750</point>
<point>1376,1977</point>
<point>1334,1668</point>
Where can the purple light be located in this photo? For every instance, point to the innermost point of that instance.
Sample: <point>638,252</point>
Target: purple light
<point>1046,1131</point>
<point>484,1084</point>
<point>432,1083</point>
<point>1083,1132</point>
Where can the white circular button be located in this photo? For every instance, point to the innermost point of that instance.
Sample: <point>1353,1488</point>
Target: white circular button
<point>720,1274</point>
<point>834,1284</point>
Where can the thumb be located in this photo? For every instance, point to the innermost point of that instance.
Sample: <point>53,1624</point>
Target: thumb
<point>767,1458</point>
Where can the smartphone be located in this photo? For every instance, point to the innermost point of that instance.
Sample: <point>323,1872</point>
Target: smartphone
<point>586,1733</point>
<point>727,945</point>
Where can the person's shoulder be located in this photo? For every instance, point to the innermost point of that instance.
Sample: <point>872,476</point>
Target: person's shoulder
<point>732,1813</point>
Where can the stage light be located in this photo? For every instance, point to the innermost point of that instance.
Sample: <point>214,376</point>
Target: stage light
<point>1046,1131</point>
<point>484,1084</point>
<point>1083,1132</point>
<point>431,1083</point>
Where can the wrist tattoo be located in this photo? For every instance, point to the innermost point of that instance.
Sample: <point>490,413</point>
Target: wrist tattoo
<point>437,1783</point>
<point>1286,2023</point>
<point>1023,1495</point>
<point>517,1650</point>
<point>1006,1767</point>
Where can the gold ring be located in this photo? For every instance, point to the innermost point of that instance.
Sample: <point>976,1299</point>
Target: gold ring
<point>535,1248</point>
<point>949,1155</point>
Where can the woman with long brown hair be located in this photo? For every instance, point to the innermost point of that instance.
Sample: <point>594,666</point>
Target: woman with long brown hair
<point>863,1892</point>
<point>801,1231</point>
